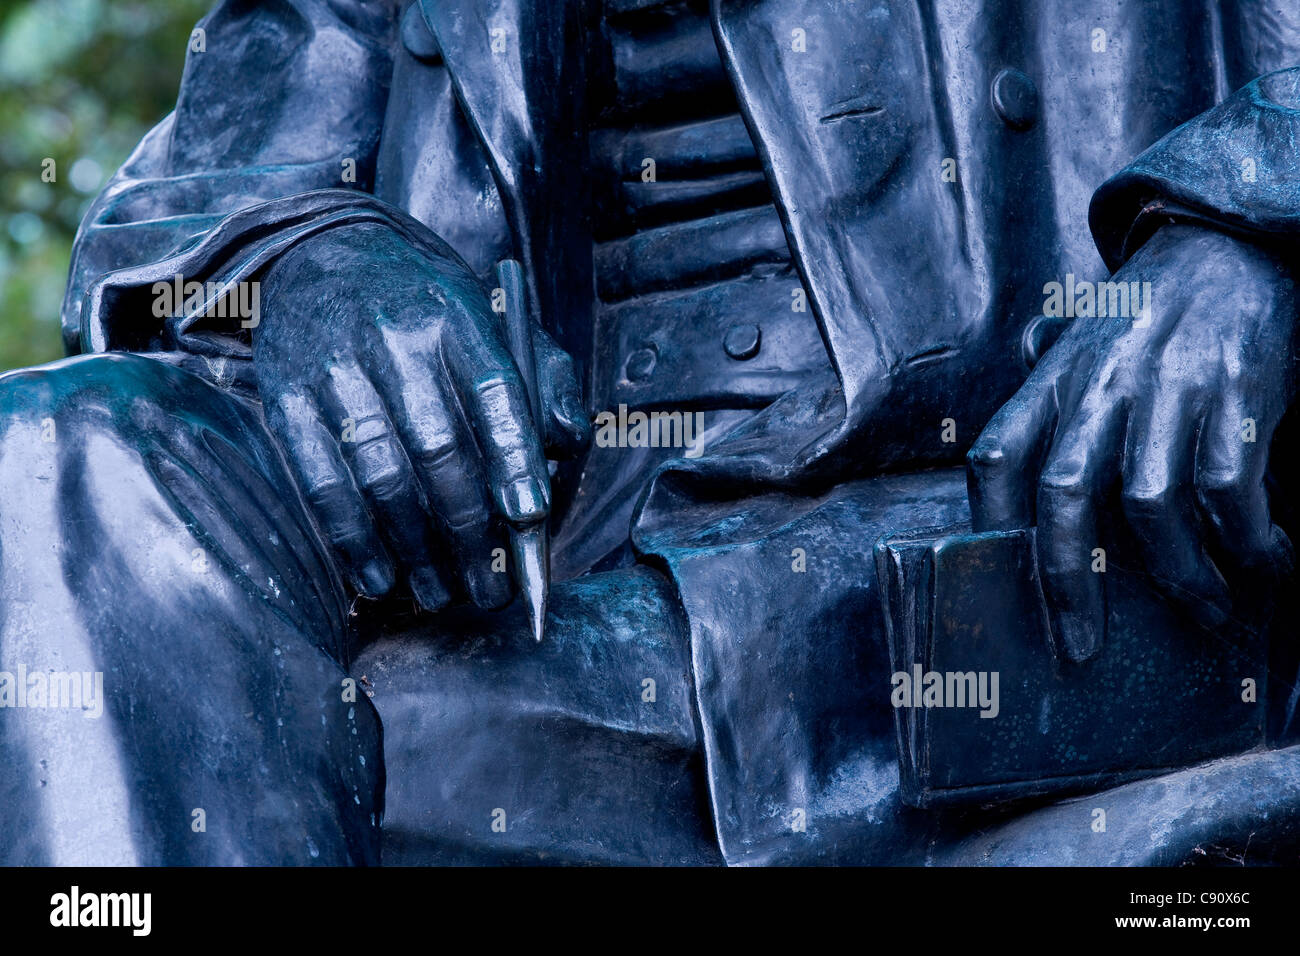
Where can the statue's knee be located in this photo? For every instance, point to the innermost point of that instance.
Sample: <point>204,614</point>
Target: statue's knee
<point>80,396</point>
<point>133,401</point>
<point>102,434</point>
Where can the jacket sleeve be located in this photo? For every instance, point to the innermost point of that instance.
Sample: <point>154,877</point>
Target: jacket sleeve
<point>1236,167</point>
<point>274,137</point>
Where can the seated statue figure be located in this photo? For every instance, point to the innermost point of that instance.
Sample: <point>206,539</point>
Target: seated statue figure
<point>269,497</point>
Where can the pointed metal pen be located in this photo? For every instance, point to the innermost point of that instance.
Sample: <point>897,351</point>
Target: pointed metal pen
<point>530,545</point>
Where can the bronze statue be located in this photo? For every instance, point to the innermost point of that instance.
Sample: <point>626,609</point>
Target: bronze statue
<point>857,241</point>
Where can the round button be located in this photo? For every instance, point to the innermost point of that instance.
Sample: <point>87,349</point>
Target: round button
<point>742,341</point>
<point>417,37</point>
<point>1015,98</point>
<point>640,365</point>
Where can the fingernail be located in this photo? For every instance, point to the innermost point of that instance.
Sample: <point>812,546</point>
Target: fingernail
<point>428,589</point>
<point>488,589</point>
<point>524,500</point>
<point>1076,634</point>
<point>572,409</point>
<point>376,578</point>
<point>576,416</point>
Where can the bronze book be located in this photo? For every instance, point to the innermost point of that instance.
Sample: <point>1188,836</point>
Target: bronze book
<point>987,710</point>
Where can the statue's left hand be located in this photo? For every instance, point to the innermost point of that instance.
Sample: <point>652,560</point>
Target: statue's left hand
<point>1177,409</point>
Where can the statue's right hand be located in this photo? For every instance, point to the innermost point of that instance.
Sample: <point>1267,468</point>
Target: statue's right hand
<point>386,379</point>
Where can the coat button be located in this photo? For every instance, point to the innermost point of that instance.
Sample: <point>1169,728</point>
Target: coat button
<point>742,341</point>
<point>1015,98</point>
<point>417,37</point>
<point>640,365</point>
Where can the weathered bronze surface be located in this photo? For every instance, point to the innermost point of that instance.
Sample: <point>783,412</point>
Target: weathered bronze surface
<point>793,263</point>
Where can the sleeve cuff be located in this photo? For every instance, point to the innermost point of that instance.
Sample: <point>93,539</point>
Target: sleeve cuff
<point>1235,167</point>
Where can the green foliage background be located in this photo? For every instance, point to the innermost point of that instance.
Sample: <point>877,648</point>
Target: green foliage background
<point>80,82</point>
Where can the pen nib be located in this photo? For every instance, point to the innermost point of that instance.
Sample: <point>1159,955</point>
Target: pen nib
<point>532,554</point>
<point>537,612</point>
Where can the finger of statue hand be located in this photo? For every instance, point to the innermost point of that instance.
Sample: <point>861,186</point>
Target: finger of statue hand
<point>1080,465</point>
<point>1159,505</point>
<point>1230,489</point>
<point>448,466</point>
<point>373,450</point>
<point>496,404</point>
<point>327,485</point>
<point>567,425</point>
<point>1002,464</point>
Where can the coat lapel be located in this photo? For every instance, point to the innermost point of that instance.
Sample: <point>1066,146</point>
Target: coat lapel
<point>838,96</point>
<point>519,68</point>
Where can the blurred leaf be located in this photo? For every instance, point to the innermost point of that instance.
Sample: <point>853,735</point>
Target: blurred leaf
<point>81,81</point>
